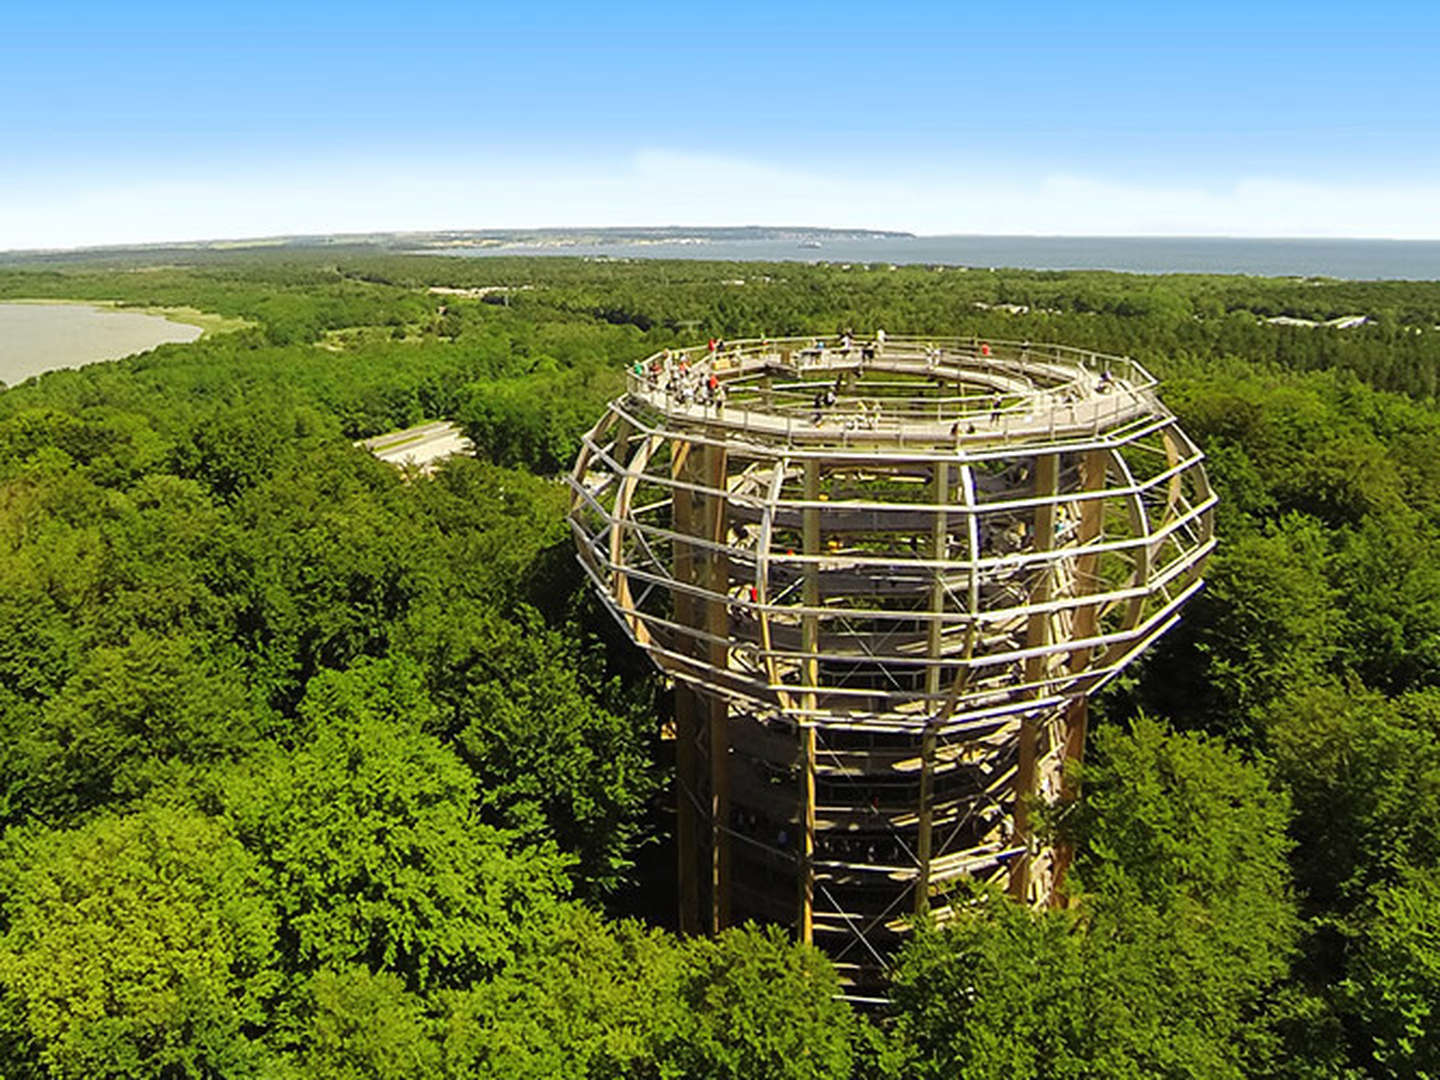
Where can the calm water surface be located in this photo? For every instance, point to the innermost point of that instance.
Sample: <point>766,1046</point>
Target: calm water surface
<point>1415,260</point>
<point>35,338</point>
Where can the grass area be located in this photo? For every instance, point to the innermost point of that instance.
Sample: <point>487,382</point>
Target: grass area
<point>208,321</point>
<point>345,338</point>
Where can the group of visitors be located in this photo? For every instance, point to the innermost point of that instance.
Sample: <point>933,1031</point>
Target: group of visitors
<point>846,343</point>
<point>866,416</point>
<point>686,383</point>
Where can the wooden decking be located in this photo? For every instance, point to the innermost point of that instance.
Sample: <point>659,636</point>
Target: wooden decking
<point>1019,393</point>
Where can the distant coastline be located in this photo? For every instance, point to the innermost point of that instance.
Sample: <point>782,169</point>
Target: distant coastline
<point>1356,259</point>
<point>1338,258</point>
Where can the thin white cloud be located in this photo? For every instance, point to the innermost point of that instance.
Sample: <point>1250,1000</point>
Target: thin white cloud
<point>661,187</point>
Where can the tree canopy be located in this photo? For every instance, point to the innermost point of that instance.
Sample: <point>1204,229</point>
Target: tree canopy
<point>312,767</point>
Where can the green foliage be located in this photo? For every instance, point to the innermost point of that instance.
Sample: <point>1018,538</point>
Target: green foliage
<point>536,422</point>
<point>1006,992</point>
<point>756,1006</point>
<point>298,754</point>
<point>1394,982</point>
<point>501,526</point>
<point>1182,850</point>
<point>134,946</point>
<point>615,1000</point>
<point>319,563</point>
<point>1268,620</point>
<point>125,710</point>
<point>1364,771</point>
<point>368,830</point>
<point>1170,819</point>
<point>230,450</point>
<point>581,775</point>
<point>1165,961</point>
<point>1394,602</point>
<point>364,1026</point>
<point>1329,509</point>
<point>596,1000</point>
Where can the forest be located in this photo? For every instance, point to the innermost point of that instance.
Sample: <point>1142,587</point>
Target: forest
<point>315,768</point>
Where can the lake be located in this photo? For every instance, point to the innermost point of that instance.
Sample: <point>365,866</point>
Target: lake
<point>36,338</point>
<point>1417,260</point>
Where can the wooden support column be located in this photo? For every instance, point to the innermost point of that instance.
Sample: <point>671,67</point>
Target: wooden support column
<point>925,840</point>
<point>810,645</point>
<point>810,623</point>
<point>807,833</point>
<point>717,624</point>
<point>687,709</point>
<point>1087,563</point>
<point>687,795</point>
<point>939,539</point>
<point>1037,635</point>
<point>683,522</point>
<point>624,431</point>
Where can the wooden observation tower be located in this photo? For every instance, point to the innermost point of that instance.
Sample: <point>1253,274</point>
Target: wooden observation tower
<point>883,579</point>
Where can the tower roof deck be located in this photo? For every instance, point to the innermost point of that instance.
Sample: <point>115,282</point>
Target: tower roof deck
<point>908,392</point>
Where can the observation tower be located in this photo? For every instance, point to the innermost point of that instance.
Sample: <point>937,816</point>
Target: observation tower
<point>883,577</point>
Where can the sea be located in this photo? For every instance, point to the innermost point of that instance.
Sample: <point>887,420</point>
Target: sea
<point>1414,260</point>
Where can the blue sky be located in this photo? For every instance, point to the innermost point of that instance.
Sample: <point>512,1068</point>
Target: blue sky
<point>156,121</point>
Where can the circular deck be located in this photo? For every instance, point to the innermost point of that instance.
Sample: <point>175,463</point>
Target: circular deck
<point>908,392</point>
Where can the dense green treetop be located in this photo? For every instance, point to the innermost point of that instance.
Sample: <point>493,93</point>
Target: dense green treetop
<point>134,945</point>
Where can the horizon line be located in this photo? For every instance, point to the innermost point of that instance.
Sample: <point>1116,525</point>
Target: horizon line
<point>282,238</point>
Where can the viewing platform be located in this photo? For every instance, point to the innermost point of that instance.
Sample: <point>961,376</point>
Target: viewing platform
<point>915,392</point>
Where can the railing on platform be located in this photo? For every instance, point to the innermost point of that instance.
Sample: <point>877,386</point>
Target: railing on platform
<point>1005,389</point>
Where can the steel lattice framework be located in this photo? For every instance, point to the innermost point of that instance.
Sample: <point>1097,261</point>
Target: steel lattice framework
<point>884,576</point>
